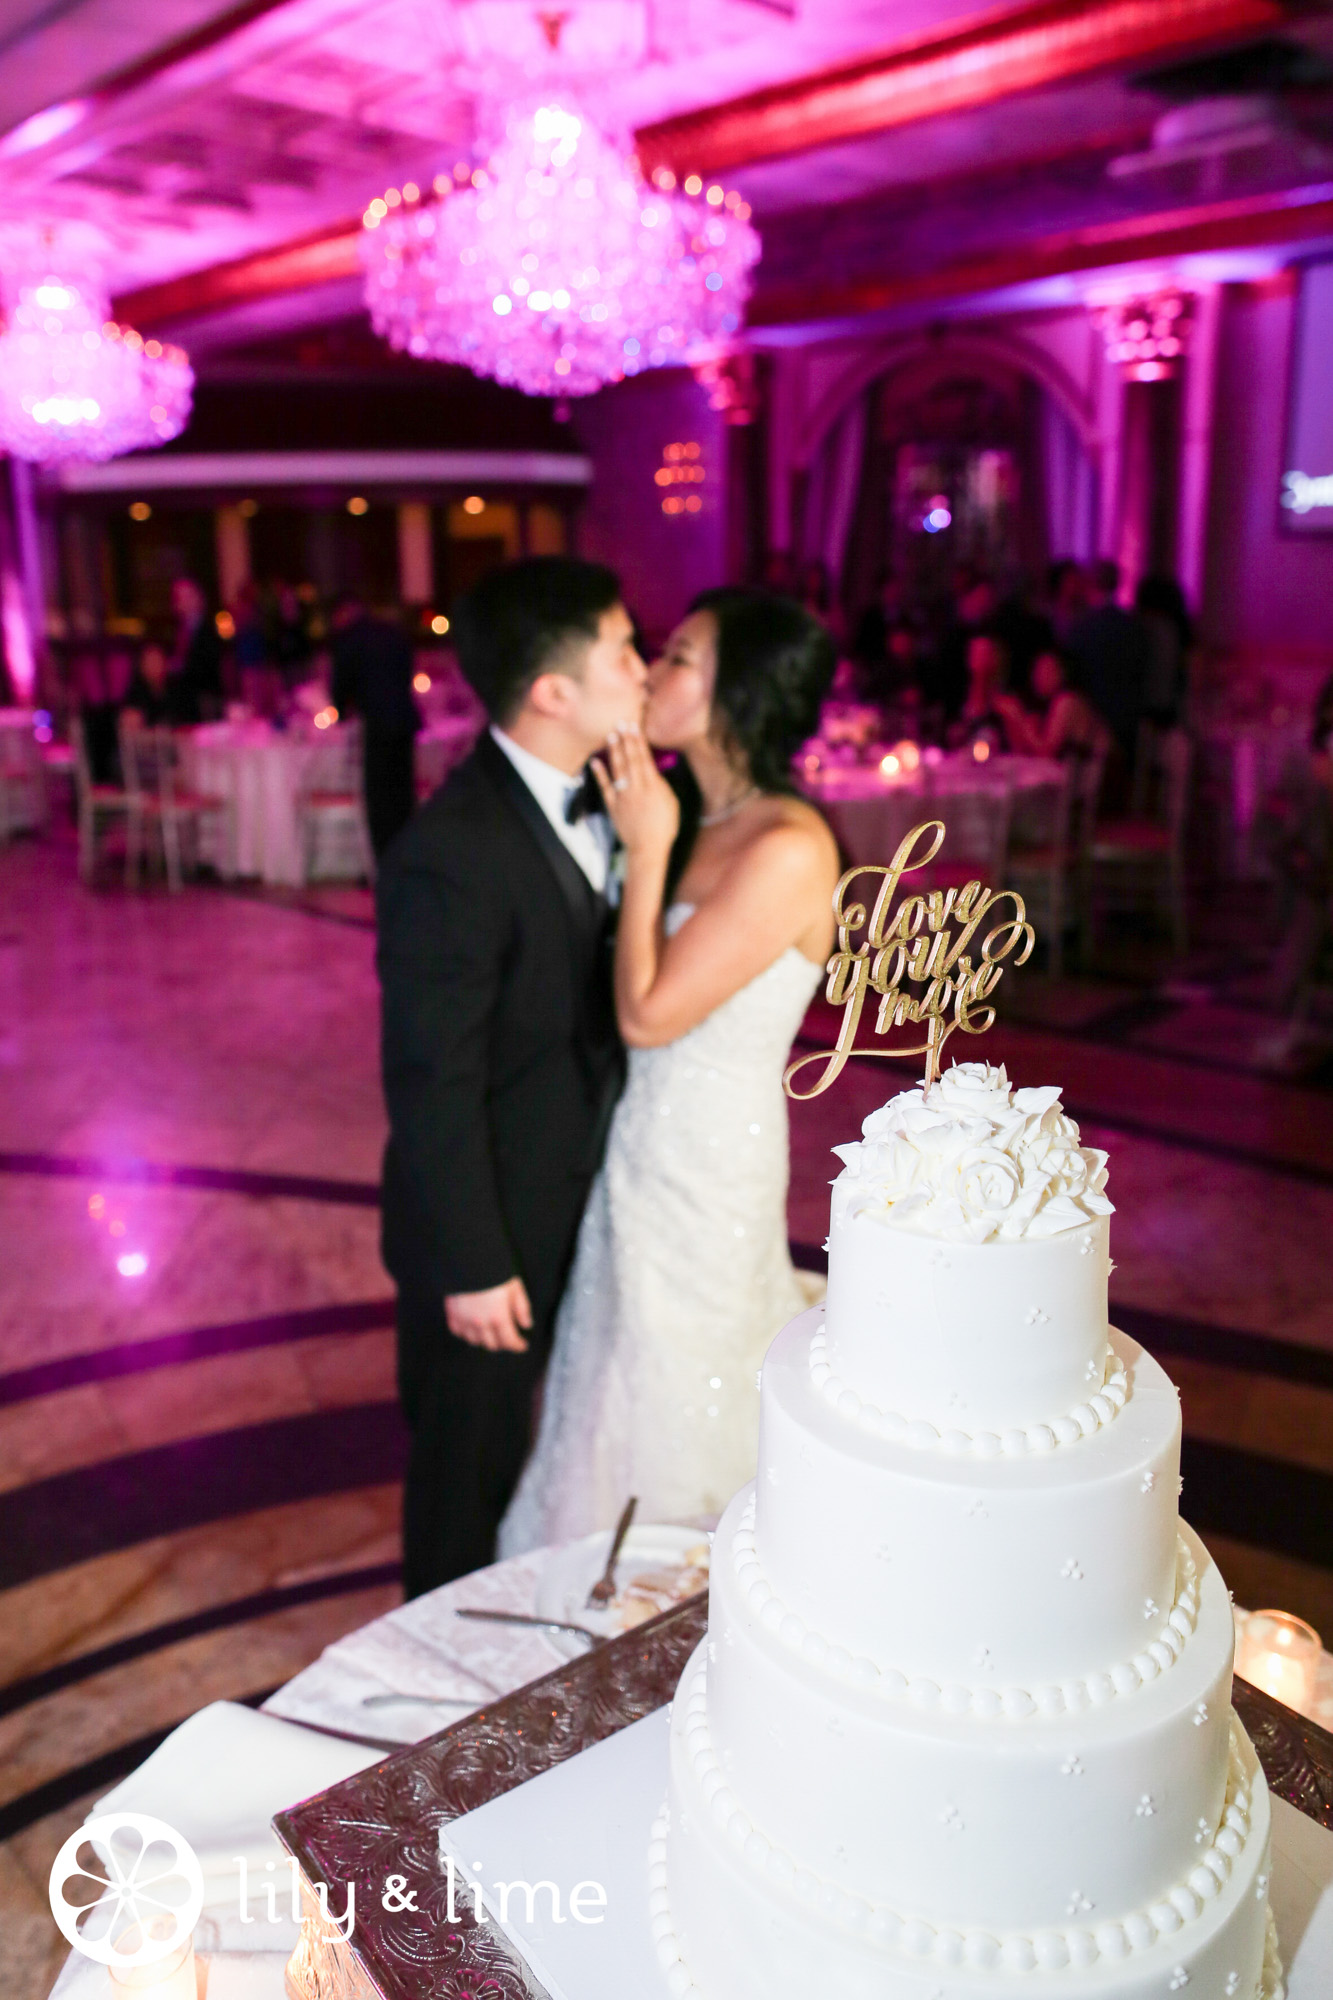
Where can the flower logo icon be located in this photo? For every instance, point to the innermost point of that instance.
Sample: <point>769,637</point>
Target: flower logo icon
<point>126,1890</point>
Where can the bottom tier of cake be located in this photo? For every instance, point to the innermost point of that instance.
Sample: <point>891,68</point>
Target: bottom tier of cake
<point>739,1920</point>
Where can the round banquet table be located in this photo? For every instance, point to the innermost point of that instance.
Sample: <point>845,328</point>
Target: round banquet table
<point>870,812</point>
<point>263,773</point>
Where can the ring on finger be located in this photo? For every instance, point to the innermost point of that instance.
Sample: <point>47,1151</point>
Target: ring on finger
<point>620,784</point>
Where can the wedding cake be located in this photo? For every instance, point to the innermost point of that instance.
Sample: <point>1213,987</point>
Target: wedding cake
<point>961,1727</point>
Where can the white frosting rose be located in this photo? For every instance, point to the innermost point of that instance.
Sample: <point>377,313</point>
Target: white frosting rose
<point>975,1160</point>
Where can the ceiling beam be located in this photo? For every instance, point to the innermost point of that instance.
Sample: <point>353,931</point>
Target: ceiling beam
<point>292,267</point>
<point>977,61</point>
<point>1293,216</point>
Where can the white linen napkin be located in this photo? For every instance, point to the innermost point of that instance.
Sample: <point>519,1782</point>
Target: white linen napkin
<point>219,1779</point>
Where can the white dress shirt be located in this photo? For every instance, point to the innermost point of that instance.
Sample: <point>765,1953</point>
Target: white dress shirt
<point>589,839</point>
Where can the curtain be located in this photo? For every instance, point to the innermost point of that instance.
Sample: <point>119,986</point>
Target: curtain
<point>1070,488</point>
<point>835,480</point>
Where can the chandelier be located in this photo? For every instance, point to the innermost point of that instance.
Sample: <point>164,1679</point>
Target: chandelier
<point>556,267</point>
<point>74,384</point>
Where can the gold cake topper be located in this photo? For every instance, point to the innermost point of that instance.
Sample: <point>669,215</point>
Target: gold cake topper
<point>916,947</point>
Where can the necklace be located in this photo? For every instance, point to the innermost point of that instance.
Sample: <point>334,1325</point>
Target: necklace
<point>725,812</point>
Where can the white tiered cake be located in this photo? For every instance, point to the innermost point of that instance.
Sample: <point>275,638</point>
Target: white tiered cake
<point>962,1726</point>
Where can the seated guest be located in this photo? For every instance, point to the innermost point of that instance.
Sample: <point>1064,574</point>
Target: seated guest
<point>1058,721</point>
<point>99,677</point>
<point>150,693</point>
<point>946,675</point>
<point>981,717</point>
<point>1066,600</point>
<point>196,669</point>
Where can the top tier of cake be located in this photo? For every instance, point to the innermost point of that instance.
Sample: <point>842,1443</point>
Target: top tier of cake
<point>968,1259</point>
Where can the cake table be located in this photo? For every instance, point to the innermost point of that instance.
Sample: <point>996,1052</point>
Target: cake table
<point>387,1820</point>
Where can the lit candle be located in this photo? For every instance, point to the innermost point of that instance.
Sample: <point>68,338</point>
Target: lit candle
<point>169,1978</point>
<point>1280,1654</point>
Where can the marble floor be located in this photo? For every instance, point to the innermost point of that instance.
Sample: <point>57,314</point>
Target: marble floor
<point>199,1444</point>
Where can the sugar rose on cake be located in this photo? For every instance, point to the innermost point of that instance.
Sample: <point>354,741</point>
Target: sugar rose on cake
<point>973,1158</point>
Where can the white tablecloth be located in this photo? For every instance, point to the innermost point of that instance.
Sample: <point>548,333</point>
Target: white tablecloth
<point>440,746</point>
<point>22,764</point>
<point>870,812</point>
<point>263,771</point>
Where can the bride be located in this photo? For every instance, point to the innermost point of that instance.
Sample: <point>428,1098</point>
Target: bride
<point>681,1277</point>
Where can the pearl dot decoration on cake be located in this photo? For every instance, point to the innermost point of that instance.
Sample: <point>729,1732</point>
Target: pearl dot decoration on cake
<point>894,1930</point>
<point>1080,1422</point>
<point>1013,1703</point>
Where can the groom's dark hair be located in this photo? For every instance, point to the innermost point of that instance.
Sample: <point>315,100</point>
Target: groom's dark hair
<point>519,621</point>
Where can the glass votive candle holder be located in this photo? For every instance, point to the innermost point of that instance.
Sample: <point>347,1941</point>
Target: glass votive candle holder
<point>1280,1653</point>
<point>169,1978</point>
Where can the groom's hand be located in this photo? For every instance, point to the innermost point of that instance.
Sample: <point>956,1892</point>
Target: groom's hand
<point>491,1319</point>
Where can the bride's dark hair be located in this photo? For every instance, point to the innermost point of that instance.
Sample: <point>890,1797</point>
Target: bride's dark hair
<point>774,665</point>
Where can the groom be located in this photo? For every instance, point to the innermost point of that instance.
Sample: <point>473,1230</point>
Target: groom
<point>501,1059</point>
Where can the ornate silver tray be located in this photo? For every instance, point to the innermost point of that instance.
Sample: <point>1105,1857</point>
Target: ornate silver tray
<point>386,1820</point>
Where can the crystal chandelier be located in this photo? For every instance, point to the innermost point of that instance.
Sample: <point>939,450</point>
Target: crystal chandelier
<point>556,267</point>
<point>74,384</point>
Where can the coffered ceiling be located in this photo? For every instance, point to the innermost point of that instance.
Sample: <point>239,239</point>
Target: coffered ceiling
<point>198,145</point>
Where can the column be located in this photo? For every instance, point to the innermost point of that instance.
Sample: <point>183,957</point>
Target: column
<point>416,557</point>
<point>232,541</point>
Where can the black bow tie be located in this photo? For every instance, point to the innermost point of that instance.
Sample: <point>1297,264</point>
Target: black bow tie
<point>585,800</point>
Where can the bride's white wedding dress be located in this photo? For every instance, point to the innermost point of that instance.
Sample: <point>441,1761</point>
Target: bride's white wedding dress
<point>680,1280</point>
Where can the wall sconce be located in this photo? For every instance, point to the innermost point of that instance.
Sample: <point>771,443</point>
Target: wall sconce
<point>1146,337</point>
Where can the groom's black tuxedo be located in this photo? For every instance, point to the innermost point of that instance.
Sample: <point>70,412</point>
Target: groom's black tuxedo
<point>502,1065</point>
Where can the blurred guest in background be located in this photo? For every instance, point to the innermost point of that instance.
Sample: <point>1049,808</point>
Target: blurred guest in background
<point>150,690</point>
<point>1160,603</point>
<point>1056,720</point>
<point>981,717</point>
<point>100,674</point>
<point>870,646</point>
<point>1066,598</point>
<point>250,651</point>
<point>372,678</point>
<point>196,666</point>
<point>1024,631</point>
<point>946,678</point>
<point>1109,648</point>
<point>291,636</point>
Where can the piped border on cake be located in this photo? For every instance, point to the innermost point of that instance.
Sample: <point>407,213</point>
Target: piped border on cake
<point>956,1698</point>
<point>1100,1409</point>
<point>915,1937</point>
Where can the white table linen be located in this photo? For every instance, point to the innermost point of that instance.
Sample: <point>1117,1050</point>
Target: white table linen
<point>870,812</point>
<point>263,772</point>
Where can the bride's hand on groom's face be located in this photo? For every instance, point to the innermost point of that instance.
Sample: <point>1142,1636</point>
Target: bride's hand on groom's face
<point>640,803</point>
<point>491,1319</point>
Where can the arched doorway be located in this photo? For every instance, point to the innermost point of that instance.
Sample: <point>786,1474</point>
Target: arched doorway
<point>952,455</point>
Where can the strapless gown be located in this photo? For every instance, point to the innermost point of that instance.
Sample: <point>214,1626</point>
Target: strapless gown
<point>681,1278</point>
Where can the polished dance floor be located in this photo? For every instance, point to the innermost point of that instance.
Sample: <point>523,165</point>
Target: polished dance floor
<point>199,1446</point>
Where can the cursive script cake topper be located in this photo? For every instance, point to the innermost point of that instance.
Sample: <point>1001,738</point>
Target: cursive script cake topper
<point>927,942</point>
